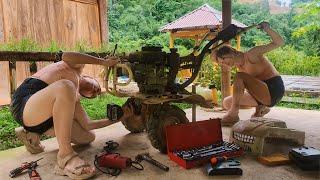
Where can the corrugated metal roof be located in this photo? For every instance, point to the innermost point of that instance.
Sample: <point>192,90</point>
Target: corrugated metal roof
<point>203,17</point>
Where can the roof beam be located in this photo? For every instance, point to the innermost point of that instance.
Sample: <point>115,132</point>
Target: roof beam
<point>190,33</point>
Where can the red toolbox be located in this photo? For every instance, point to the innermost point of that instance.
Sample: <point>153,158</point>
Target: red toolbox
<point>183,137</point>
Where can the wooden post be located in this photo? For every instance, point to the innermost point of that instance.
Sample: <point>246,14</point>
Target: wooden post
<point>22,72</point>
<point>1,24</point>
<point>226,75</point>
<point>5,85</point>
<point>238,42</point>
<point>171,41</point>
<point>194,106</point>
<point>12,75</point>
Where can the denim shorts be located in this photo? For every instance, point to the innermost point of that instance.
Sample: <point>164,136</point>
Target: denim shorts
<point>19,99</point>
<point>276,89</point>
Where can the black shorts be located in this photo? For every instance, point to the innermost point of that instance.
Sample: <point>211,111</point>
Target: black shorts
<point>19,99</point>
<point>276,89</point>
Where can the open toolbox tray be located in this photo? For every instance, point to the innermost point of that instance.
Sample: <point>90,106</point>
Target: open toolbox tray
<point>195,135</point>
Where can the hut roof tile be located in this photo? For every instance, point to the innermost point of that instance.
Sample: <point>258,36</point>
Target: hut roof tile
<point>202,17</point>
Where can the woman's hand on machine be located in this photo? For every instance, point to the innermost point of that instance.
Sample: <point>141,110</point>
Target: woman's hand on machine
<point>111,61</point>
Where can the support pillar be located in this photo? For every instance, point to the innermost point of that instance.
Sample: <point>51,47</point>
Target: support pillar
<point>226,75</point>
<point>171,41</point>
<point>238,42</point>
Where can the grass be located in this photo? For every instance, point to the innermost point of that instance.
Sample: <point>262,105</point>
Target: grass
<point>7,125</point>
<point>96,109</point>
<point>299,106</point>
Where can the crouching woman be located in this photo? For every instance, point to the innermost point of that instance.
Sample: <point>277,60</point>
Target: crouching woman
<point>48,103</point>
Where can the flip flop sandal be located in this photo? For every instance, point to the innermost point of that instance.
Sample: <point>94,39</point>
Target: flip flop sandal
<point>229,121</point>
<point>30,140</point>
<point>76,173</point>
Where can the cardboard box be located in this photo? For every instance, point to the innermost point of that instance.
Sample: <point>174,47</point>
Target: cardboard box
<point>192,135</point>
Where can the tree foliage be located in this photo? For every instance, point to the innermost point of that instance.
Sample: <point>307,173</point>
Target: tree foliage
<point>139,21</point>
<point>308,31</point>
<point>134,23</point>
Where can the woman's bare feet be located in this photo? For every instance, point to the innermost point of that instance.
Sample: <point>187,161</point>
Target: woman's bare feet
<point>261,110</point>
<point>74,167</point>
<point>30,140</point>
<point>76,162</point>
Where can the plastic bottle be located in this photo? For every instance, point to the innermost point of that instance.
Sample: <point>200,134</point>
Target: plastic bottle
<point>231,89</point>
<point>214,94</point>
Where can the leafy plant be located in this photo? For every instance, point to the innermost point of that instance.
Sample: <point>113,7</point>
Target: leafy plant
<point>289,61</point>
<point>307,34</point>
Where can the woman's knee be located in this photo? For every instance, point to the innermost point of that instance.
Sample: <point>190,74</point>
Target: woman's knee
<point>66,88</point>
<point>227,102</point>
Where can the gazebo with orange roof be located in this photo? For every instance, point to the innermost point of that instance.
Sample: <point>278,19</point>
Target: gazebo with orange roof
<point>196,24</point>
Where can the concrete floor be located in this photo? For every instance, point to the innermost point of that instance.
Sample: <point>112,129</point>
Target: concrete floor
<point>132,144</point>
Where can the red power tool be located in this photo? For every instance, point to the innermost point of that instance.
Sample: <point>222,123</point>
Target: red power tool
<point>112,163</point>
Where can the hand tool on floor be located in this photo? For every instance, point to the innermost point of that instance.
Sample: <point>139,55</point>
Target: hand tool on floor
<point>113,163</point>
<point>216,160</point>
<point>24,166</point>
<point>207,151</point>
<point>33,174</point>
<point>150,160</point>
<point>227,167</point>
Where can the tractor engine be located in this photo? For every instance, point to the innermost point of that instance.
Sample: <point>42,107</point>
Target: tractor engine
<point>153,69</point>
